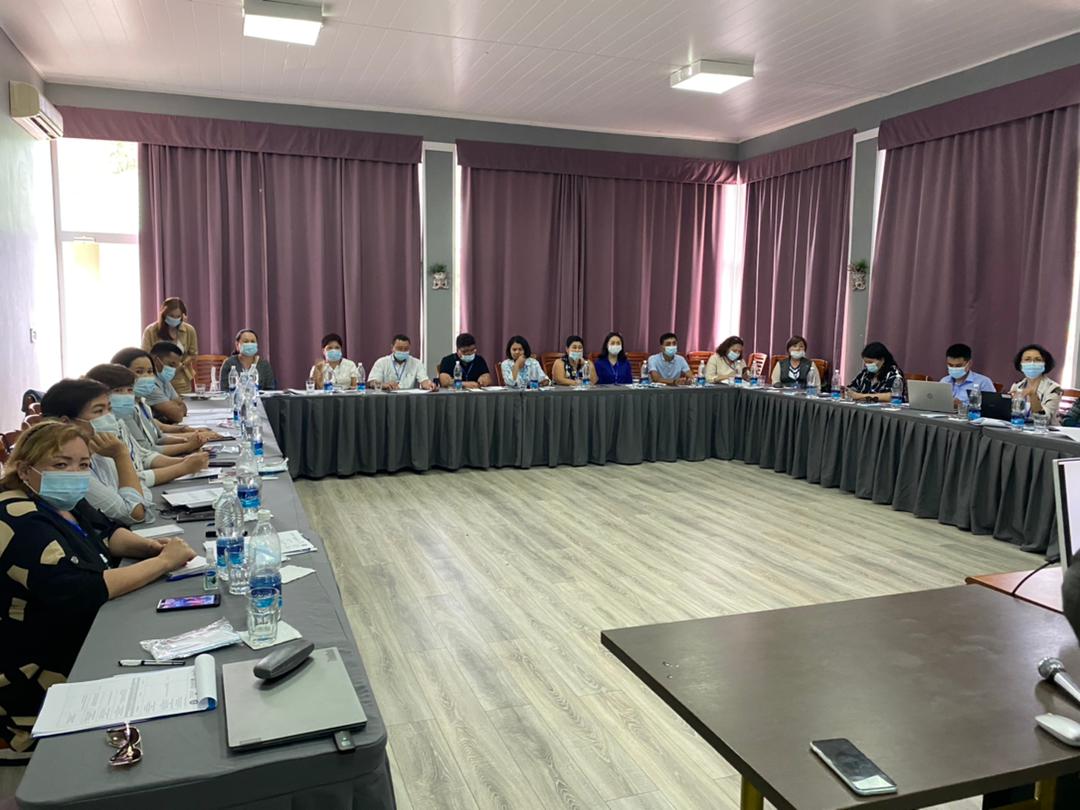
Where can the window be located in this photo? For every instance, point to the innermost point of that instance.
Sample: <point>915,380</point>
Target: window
<point>98,203</point>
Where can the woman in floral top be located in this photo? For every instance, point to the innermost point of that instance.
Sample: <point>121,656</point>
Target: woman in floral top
<point>874,383</point>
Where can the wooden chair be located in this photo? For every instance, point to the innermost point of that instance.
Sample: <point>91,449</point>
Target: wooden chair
<point>695,359</point>
<point>547,360</point>
<point>636,359</point>
<point>204,363</point>
<point>1068,399</point>
<point>823,372</point>
<point>7,444</point>
<point>755,363</point>
<point>917,377</point>
<point>776,358</point>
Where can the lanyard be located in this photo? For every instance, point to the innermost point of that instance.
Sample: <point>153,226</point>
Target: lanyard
<point>401,373</point>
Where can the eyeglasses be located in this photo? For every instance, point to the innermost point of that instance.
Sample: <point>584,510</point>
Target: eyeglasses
<point>127,741</point>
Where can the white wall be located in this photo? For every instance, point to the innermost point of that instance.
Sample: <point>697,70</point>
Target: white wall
<point>27,253</point>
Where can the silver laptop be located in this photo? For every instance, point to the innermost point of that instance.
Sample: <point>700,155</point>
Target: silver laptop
<point>930,396</point>
<point>317,698</point>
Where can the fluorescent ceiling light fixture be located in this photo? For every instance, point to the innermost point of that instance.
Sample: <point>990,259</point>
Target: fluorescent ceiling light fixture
<point>708,76</point>
<point>284,22</point>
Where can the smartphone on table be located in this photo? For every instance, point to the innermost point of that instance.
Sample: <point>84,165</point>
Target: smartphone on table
<point>856,769</point>
<point>203,600</point>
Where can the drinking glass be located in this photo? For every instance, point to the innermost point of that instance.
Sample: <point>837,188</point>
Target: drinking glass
<point>309,386</point>
<point>1041,422</point>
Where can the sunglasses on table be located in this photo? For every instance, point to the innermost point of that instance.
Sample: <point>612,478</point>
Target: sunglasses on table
<point>127,741</point>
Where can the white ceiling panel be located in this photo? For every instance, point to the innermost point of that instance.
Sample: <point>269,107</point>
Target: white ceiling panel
<point>587,64</point>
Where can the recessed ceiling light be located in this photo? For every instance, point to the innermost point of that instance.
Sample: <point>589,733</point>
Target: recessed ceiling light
<point>708,76</point>
<point>285,22</point>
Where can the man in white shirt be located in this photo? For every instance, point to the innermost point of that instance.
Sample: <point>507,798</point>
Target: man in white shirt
<point>399,369</point>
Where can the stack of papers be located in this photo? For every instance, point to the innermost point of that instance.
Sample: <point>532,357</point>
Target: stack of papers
<point>165,530</point>
<point>293,543</point>
<point>195,566</point>
<point>209,472</point>
<point>192,498</point>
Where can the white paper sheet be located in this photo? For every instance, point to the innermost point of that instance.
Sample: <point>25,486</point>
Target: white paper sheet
<point>196,565</point>
<point>285,632</point>
<point>128,698</point>
<point>209,472</point>
<point>192,498</point>
<point>166,530</point>
<point>272,467</point>
<point>1069,432</point>
<point>291,573</point>
<point>293,543</point>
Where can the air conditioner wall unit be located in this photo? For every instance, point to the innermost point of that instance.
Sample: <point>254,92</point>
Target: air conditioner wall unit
<point>33,112</point>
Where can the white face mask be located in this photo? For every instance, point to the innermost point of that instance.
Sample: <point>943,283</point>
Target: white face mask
<point>797,355</point>
<point>614,348</point>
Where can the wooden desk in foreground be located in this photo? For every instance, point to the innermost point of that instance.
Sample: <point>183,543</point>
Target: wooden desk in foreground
<point>938,687</point>
<point>1042,589</point>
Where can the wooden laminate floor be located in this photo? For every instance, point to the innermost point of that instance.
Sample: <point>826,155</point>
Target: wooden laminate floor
<point>477,599</point>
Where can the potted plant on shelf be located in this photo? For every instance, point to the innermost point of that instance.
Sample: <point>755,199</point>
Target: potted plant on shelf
<point>858,272</point>
<point>439,279</point>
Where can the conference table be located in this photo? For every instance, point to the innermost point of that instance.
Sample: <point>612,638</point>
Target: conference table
<point>987,480</point>
<point>186,762</point>
<point>939,688</point>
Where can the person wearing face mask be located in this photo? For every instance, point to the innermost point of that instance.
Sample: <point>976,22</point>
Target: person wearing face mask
<point>1041,393</point>
<point>668,367</point>
<point>613,368</point>
<point>520,366</point>
<point>169,440</point>
<point>474,368</point>
<point>874,383</point>
<point>115,489</point>
<point>172,327</point>
<point>726,362</point>
<point>343,369</point>
<point>570,368</point>
<point>960,374</point>
<point>399,369</point>
<point>153,467</point>
<point>57,554</point>
<point>246,356</point>
<point>796,370</point>
<point>165,402</point>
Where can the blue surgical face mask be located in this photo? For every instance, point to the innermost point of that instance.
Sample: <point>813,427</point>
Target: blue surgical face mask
<point>401,357</point>
<point>167,373</point>
<point>1032,370</point>
<point>249,349</point>
<point>873,367</point>
<point>957,373</point>
<point>670,350</point>
<point>333,355</point>
<point>62,490</point>
<point>734,356</point>
<point>468,358</point>
<point>123,405</point>
<point>173,322</point>
<point>106,423</point>
<point>145,386</point>
<point>575,356</point>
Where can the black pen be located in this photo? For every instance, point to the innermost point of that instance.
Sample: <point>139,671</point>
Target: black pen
<point>143,662</point>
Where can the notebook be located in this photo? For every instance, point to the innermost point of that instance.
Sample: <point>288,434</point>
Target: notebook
<point>260,713</point>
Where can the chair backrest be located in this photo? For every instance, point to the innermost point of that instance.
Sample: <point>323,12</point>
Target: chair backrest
<point>695,359</point>
<point>917,377</point>
<point>204,363</point>
<point>496,370</point>
<point>7,444</point>
<point>547,361</point>
<point>755,363</point>
<point>776,358</point>
<point>636,359</point>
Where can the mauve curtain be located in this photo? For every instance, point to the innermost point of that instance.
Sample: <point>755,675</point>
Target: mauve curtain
<point>291,246</point>
<point>797,217</point>
<point>652,262</point>
<point>975,243</point>
<point>585,242</point>
<point>521,238</point>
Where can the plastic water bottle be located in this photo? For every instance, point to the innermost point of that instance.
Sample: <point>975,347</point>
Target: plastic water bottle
<point>361,378</point>
<point>257,449</point>
<point>457,375</point>
<point>228,525</point>
<point>584,374</point>
<point>1018,412</point>
<point>811,389</point>
<point>737,379</point>
<point>248,483</point>
<point>837,384</point>
<point>327,379</point>
<point>974,404</point>
<point>644,379</point>
<point>897,392</point>
<point>754,377</point>
<point>534,377</point>
<point>234,378</point>
<point>265,575</point>
<point>699,381</point>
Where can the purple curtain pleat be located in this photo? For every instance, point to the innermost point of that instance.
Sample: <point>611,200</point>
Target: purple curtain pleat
<point>290,246</point>
<point>549,255</point>
<point>794,260</point>
<point>652,262</point>
<point>975,244</point>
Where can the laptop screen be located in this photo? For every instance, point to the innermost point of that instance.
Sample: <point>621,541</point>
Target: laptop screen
<point>1067,494</point>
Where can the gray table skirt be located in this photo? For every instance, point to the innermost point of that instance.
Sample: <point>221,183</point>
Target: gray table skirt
<point>986,480</point>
